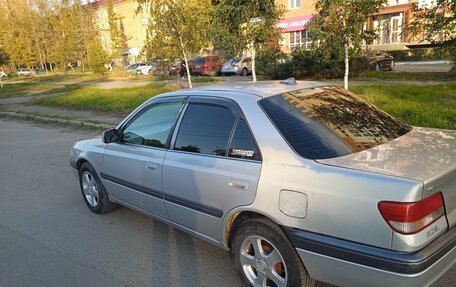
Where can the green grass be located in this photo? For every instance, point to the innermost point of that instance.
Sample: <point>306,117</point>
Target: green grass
<point>20,89</point>
<point>407,76</point>
<point>112,100</point>
<point>425,106</point>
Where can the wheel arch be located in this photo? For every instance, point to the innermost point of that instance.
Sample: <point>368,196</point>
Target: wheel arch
<point>236,219</point>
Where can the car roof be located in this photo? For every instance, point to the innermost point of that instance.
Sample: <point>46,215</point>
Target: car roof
<point>261,89</point>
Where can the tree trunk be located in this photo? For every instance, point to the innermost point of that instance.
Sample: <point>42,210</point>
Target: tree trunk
<point>189,77</point>
<point>254,77</point>
<point>346,66</point>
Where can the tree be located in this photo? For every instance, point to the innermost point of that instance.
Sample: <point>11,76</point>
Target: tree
<point>437,24</point>
<point>177,28</point>
<point>339,27</point>
<point>118,38</point>
<point>240,25</point>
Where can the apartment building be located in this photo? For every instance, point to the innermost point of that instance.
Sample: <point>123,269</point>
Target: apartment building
<point>133,25</point>
<point>391,23</point>
<point>294,24</point>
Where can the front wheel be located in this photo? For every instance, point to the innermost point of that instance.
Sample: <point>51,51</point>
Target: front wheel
<point>95,196</point>
<point>392,64</point>
<point>264,256</point>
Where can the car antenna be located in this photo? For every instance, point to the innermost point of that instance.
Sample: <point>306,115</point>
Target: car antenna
<point>289,81</point>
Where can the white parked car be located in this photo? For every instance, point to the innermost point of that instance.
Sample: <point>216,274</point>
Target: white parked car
<point>23,72</point>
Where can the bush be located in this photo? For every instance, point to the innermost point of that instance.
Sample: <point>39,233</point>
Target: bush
<point>271,63</point>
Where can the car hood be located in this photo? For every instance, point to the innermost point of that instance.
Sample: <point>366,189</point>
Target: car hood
<point>421,154</point>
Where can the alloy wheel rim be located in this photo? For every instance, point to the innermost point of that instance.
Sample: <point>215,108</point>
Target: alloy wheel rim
<point>262,263</point>
<point>90,189</point>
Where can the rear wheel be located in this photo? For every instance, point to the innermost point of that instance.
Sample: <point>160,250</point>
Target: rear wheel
<point>94,194</point>
<point>244,72</point>
<point>264,256</point>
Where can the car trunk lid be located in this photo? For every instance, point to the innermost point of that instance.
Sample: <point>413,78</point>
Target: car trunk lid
<point>426,155</point>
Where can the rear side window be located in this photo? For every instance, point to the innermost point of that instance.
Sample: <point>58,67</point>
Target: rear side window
<point>205,128</point>
<point>330,122</point>
<point>199,60</point>
<point>243,146</point>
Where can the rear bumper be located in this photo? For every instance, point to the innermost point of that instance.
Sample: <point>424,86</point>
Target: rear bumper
<point>345,263</point>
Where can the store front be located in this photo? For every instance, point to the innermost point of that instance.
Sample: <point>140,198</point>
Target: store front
<point>295,33</point>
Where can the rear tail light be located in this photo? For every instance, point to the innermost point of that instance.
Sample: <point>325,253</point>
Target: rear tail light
<point>412,217</point>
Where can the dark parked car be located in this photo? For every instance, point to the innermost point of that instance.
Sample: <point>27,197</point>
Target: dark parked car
<point>380,61</point>
<point>207,65</point>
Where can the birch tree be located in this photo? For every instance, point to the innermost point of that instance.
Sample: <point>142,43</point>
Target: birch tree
<point>177,28</point>
<point>240,25</point>
<point>340,25</point>
<point>436,21</point>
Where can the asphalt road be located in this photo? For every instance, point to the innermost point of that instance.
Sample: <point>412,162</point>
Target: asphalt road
<point>48,237</point>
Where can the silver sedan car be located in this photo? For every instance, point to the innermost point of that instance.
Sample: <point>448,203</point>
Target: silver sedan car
<point>298,181</point>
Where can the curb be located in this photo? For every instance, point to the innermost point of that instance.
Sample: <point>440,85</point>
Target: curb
<point>27,116</point>
<point>422,63</point>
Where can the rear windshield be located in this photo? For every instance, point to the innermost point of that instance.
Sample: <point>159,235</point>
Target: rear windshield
<point>329,122</point>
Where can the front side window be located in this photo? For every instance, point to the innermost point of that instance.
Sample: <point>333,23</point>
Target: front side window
<point>206,129</point>
<point>152,126</point>
<point>329,122</point>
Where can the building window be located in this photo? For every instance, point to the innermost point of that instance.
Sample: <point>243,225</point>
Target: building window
<point>300,39</point>
<point>428,4</point>
<point>294,4</point>
<point>389,28</point>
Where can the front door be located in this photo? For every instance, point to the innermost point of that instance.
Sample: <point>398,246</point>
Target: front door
<point>213,167</point>
<point>132,168</point>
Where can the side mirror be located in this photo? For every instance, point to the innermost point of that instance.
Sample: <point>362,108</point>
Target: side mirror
<point>110,136</point>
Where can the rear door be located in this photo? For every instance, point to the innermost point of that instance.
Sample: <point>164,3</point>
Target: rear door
<point>212,168</point>
<point>133,167</point>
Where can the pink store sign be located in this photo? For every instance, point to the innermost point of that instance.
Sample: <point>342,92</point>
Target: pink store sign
<point>295,23</point>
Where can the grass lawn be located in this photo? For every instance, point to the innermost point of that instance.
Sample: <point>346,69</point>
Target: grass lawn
<point>407,76</point>
<point>19,89</point>
<point>112,100</point>
<point>425,106</point>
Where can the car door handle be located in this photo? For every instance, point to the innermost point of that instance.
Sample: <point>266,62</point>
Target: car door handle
<point>239,184</point>
<point>152,166</point>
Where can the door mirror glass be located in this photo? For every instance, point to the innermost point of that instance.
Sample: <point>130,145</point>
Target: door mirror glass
<point>110,136</point>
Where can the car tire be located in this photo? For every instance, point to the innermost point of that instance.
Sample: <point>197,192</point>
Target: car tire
<point>267,239</point>
<point>244,72</point>
<point>93,191</point>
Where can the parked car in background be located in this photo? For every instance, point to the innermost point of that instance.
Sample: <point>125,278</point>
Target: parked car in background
<point>380,61</point>
<point>176,68</point>
<point>207,65</point>
<point>298,181</point>
<point>157,67</point>
<point>24,72</point>
<point>132,68</point>
<point>3,75</point>
<point>238,66</point>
